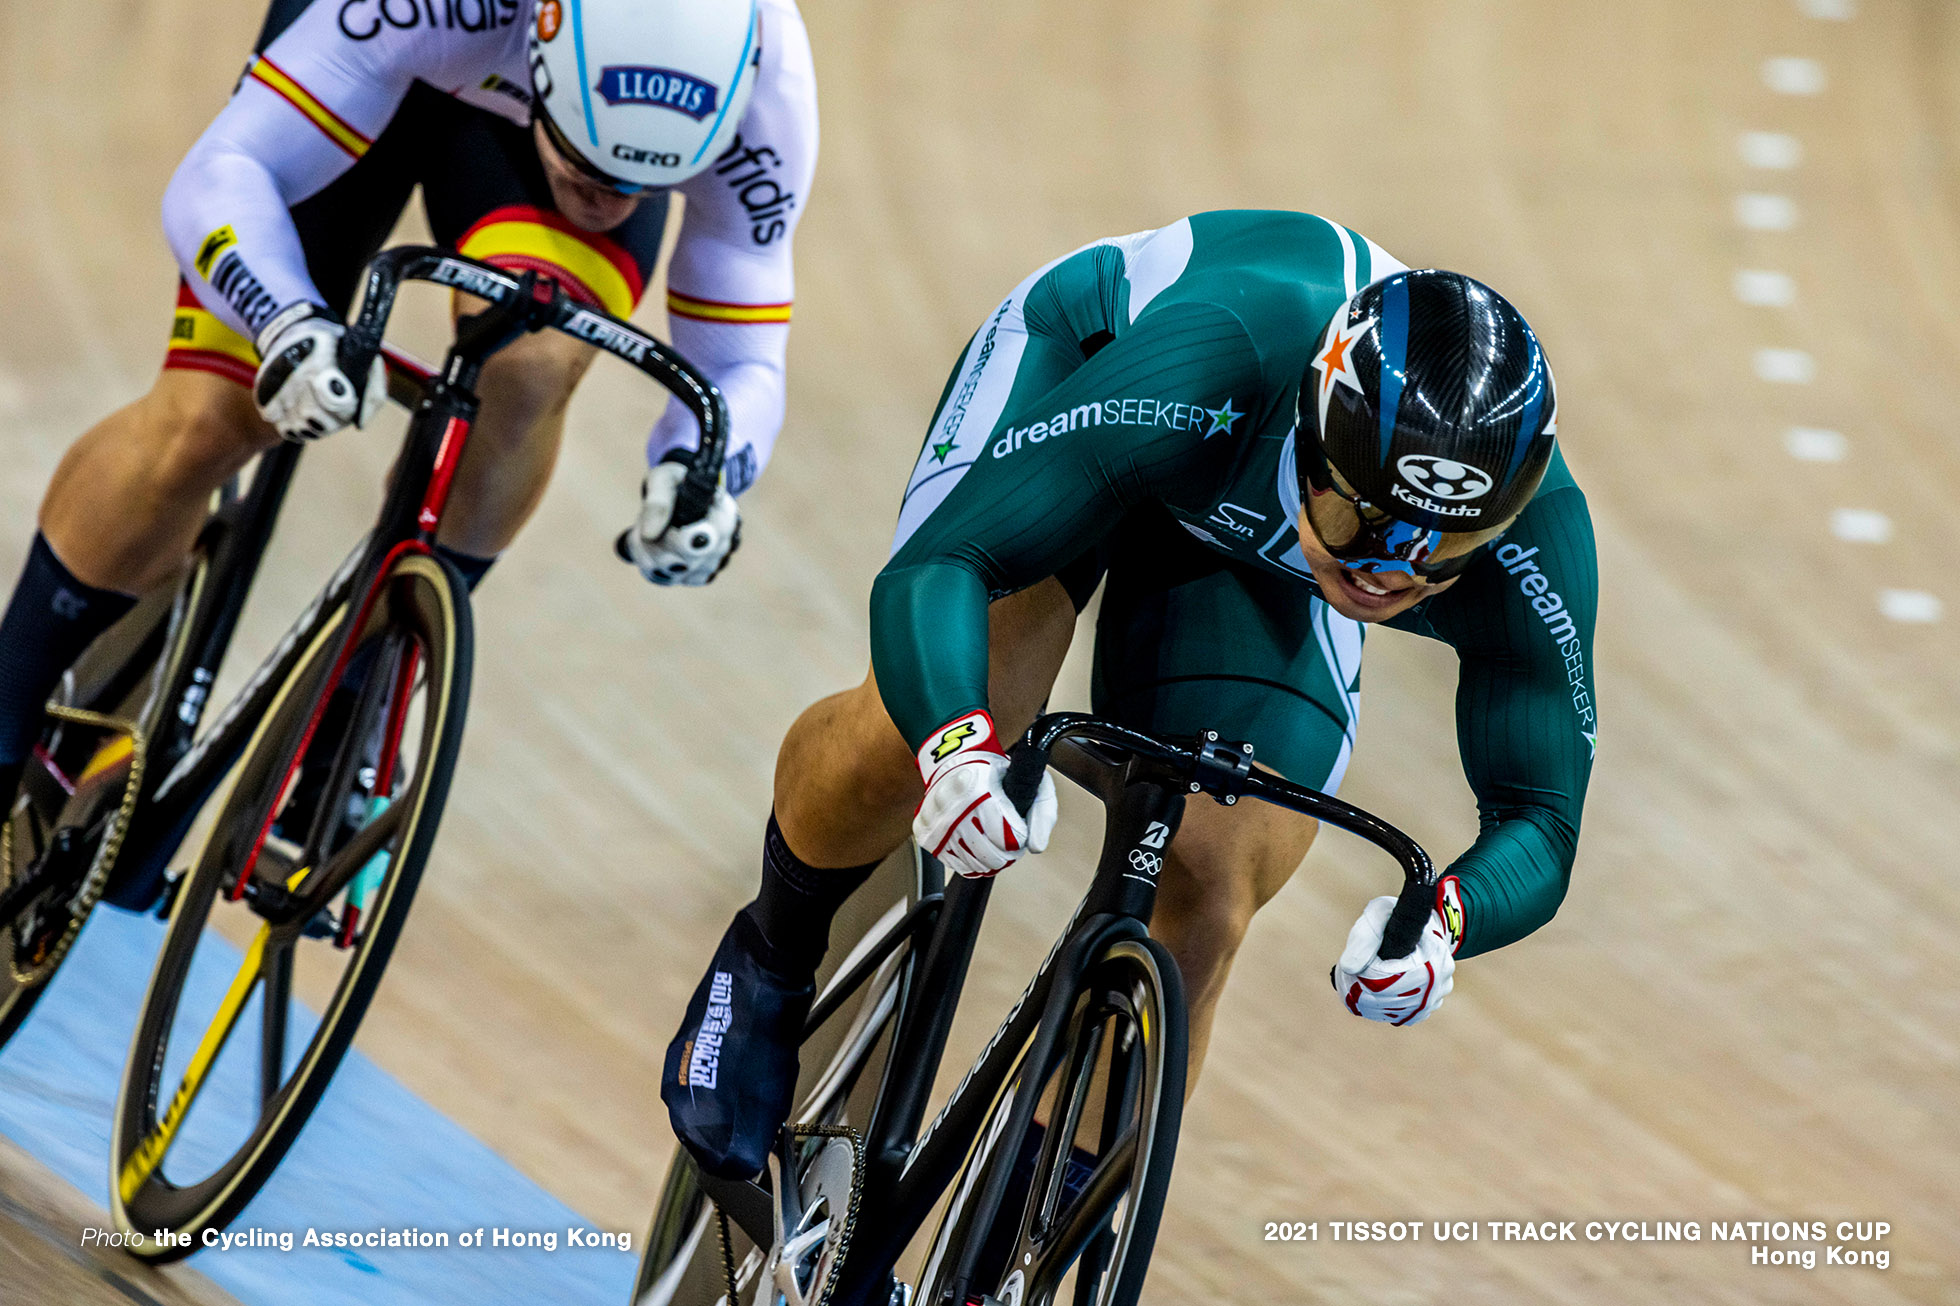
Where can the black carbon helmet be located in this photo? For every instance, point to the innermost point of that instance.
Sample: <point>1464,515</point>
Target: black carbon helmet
<point>1431,397</point>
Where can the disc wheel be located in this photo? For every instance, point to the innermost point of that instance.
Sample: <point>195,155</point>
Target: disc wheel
<point>293,904</point>
<point>689,1257</point>
<point>1115,1090</point>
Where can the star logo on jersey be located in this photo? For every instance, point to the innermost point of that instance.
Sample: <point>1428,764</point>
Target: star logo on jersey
<point>1334,361</point>
<point>949,743</point>
<point>944,450</point>
<point>1592,744</point>
<point>1221,419</point>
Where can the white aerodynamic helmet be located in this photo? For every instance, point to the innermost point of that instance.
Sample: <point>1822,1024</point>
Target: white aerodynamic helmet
<point>644,92</point>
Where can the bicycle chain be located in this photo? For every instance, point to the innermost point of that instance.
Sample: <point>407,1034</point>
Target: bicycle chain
<point>90,891</point>
<point>843,1243</point>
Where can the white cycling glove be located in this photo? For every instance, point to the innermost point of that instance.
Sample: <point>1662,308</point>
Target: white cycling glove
<point>1401,990</point>
<point>966,820</point>
<point>693,554</point>
<point>301,389</point>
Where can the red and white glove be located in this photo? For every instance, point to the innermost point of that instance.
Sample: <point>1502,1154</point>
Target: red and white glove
<point>1405,990</point>
<point>966,820</point>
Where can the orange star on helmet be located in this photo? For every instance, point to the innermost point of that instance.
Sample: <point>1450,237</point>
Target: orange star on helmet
<point>1332,361</point>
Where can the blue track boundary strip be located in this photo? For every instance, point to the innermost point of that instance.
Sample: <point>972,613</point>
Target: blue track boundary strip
<point>374,1157</point>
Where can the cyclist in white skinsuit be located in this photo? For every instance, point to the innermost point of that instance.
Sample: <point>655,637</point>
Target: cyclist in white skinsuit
<point>312,105</point>
<point>543,134</point>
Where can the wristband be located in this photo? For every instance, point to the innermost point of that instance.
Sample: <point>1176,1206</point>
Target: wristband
<point>1449,906</point>
<point>949,744</point>
<point>289,316</point>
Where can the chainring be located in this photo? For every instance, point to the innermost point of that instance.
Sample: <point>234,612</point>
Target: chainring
<point>802,1268</point>
<point>28,972</point>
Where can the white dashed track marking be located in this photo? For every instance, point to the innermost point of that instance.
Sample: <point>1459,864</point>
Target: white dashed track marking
<point>1791,75</point>
<point>1785,366</point>
<point>1815,444</point>
<point>1912,606</point>
<point>1861,526</point>
<point>1775,150</point>
<point>1756,211</point>
<point>1765,289</point>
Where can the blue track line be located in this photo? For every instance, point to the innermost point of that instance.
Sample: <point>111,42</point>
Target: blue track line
<point>374,1156</point>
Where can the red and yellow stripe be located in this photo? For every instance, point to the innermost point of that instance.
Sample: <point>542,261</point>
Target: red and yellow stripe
<point>717,310</point>
<point>338,129</point>
<point>199,342</point>
<point>592,268</point>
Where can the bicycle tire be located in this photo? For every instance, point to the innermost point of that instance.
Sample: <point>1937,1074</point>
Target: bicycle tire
<point>422,602</point>
<point>1134,983</point>
<point>842,1063</point>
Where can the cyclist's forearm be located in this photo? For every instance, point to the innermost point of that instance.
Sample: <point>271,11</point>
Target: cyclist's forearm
<point>1513,878</point>
<point>233,237</point>
<point>745,362</point>
<point>929,645</point>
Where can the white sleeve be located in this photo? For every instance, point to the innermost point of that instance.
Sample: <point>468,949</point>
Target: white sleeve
<point>732,280</point>
<point>304,113</point>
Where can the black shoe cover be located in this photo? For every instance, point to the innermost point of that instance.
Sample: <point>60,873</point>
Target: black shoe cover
<point>731,1070</point>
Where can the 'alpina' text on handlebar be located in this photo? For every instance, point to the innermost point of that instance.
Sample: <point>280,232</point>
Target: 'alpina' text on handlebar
<point>598,331</point>
<point>464,277</point>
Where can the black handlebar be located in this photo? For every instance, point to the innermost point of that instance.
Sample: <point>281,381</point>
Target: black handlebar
<point>1225,771</point>
<point>536,304</point>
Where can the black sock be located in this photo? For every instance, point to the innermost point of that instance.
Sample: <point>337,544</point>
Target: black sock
<point>797,901</point>
<point>50,620</point>
<point>471,566</point>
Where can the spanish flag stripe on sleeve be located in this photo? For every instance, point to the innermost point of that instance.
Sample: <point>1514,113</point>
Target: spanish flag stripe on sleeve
<point>715,310</point>
<point>337,129</point>
<point>201,343</point>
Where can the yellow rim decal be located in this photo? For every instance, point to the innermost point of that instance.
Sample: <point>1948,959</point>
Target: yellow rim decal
<point>534,243</point>
<point>143,1162</point>
<point>714,310</point>
<point>336,128</point>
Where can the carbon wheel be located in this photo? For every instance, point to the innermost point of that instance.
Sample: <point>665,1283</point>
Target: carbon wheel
<point>1115,1090</point>
<point>297,896</point>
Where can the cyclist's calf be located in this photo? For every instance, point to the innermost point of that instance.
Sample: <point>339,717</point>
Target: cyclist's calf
<point>514,444</point>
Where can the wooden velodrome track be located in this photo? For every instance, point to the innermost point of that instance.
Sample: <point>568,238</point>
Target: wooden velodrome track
<point>1748,1007</point>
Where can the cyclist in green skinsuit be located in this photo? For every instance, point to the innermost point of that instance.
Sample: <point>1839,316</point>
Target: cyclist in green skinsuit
<point>1259,433</point>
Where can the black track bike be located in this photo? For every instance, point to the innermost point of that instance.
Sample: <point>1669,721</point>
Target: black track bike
<point>1053,1154</point>
<point>319,786</point>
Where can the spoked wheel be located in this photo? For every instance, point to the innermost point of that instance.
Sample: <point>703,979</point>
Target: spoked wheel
<point>1074,1229</point>
<point>691,1253</point>
<point>308,872</point>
